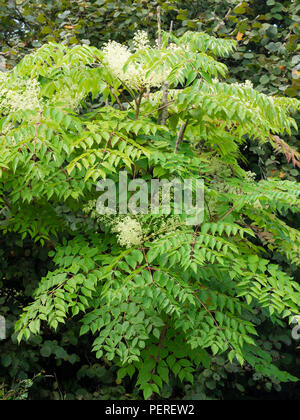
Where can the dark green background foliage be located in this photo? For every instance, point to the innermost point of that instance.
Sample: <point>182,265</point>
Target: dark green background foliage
<point>268,30</point>
<point>58,366</point>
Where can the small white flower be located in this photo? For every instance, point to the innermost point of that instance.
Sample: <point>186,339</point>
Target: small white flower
<point>248,84</point>
<point>173,47</point>
<point>116,56</point>
<point>19,95</point>
<point>251,176</point>
<point>69,97</point>
<point>129,232</point>
<point>141,40</point>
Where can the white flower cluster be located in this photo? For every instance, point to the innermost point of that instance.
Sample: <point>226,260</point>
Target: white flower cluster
<point>141,41</point>
<point>18,95</point>
<point>70,98</point>
<point>3,77</point>
<point>250,176</point>
<point>175,47</point>
<point>129,232</point>
<point>6,129</point>
<point>116,56</point>
<point>248,84</point>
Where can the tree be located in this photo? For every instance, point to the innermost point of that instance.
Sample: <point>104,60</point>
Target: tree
<point>267,54</point>
<point>159,295</point>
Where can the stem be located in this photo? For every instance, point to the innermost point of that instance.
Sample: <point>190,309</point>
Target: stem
<point>115,96</point>
<point>180,135</point>
<point>138,104</point>
<point>161,107</point>
<point>162,119</point>
<point>227,214</point>
<point>164,113</point>
<point>159,27</point>
<point>210,216</point>
<point>213,318</point>
<point>160,345</point>
<point>7,202</point>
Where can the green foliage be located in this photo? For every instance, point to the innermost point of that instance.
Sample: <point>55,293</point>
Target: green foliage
<point>20,391</point>
<point>268,32</point>
<point>47,366</point>
<point>267,53</point>
<point>184,295</point>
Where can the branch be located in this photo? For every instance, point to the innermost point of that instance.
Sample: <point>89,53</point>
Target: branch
<point>227,214</point>
<point>148,265</point>
<point>160,345</point>
<point>164,114</point>
<point>7,202</point>
<point>214,319</point>
<point>162,119</point>
<point>116,98</point>
<point>138,104</point>
<point>159,27</point>
<point>181,135</point>
<point>161,107</point>
<point>291,155</point>
<point>21,17</point>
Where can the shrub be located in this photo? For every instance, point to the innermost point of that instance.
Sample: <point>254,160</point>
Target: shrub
<point>162,297</point>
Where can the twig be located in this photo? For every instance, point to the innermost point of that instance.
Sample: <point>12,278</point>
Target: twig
<point>228,14</point>
<point>159,27</point>
<point>60,391</point>
<point>194,241</point>
<point>6,201</point>
<point>148,265</point>
<point>161,107</point>
<point>227,214</point>
<point>180,135</point>
<point>164,114</point>
<point>207,205</point>
<point>138,104</point>
<point>160,345</point>
<point>116,98</point>
<point>214,320</point>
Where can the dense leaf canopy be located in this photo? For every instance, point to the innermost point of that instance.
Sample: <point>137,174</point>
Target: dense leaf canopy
<point>152,298</point>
